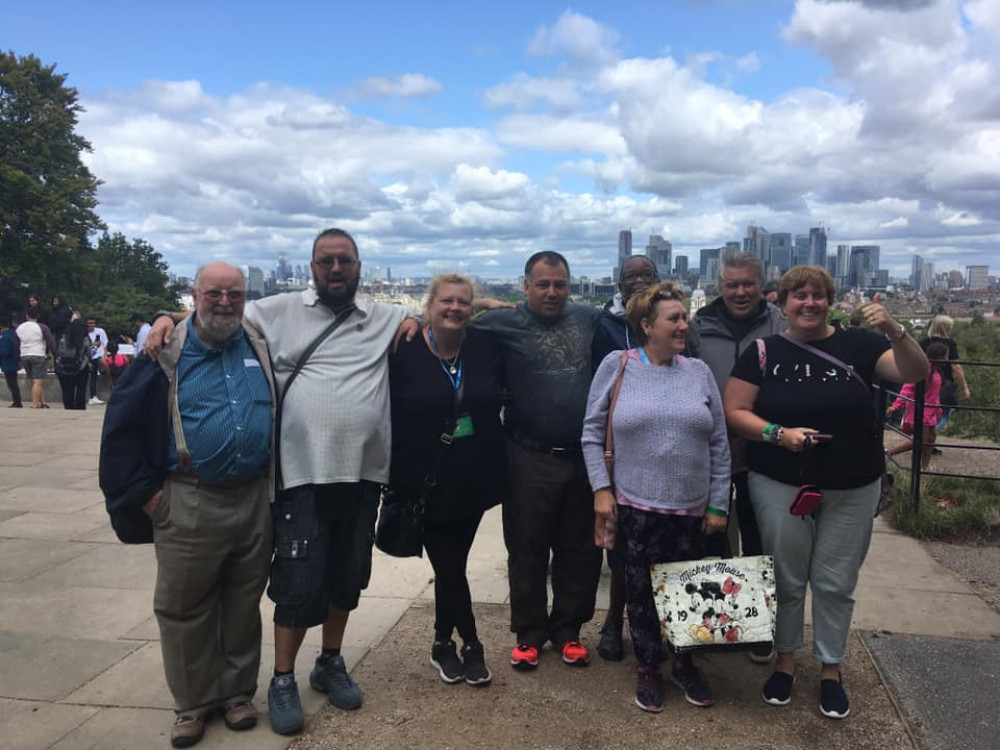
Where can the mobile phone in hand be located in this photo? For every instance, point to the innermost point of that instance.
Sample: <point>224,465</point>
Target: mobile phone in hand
<point>819,437</point>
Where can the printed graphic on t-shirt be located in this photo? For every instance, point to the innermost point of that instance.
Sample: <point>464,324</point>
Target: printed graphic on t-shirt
<point>800,372</point>
<point>560,347</point>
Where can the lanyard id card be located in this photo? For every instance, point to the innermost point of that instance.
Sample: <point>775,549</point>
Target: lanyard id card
<point>463,427</point>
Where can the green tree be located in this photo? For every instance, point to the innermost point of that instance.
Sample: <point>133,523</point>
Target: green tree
<point>47,194</point>
<point>125,277</point>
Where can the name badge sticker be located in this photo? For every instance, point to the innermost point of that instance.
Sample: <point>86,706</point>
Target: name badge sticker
<point>463,427</point>
<point>251,363</point>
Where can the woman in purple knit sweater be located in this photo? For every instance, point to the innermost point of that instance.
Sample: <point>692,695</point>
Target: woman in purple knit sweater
<point>671,470</point>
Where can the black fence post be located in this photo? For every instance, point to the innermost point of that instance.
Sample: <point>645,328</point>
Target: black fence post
<point>918,444</point>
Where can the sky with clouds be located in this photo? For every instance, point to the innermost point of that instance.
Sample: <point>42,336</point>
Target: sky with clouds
<point>469,135</point>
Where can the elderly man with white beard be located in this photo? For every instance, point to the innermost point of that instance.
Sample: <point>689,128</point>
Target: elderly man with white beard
<point>186,462</point>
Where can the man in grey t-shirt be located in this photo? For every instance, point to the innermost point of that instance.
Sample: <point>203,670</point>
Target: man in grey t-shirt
<point>546,346</point>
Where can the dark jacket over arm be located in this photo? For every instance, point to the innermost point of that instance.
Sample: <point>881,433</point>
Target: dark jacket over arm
<point>134,447</point>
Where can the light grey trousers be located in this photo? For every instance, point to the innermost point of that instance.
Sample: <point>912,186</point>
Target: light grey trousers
<point>213,550</point>
<point>824,554</point>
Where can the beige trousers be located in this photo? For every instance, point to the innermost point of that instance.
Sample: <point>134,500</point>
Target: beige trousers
<point>213,549</point>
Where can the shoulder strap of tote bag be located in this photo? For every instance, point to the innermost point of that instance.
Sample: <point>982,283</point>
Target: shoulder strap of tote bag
<point>609,437</point>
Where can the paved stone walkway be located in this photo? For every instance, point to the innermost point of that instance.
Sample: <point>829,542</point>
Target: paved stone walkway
<point>79,654</point>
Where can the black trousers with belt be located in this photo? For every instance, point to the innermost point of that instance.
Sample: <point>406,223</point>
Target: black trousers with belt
<point>549,511</point>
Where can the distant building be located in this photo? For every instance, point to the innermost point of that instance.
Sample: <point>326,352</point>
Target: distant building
<point>255,280</point>
<point>782,251</point>
<point>800,257</point>
<point>977,277</point>
<point>817,246</point>
<point>624,251</point>
<point>681,265</point>
<point>917,273</point>
<point>708,265</point>
<point>758,242</point>
<point>659,251</point>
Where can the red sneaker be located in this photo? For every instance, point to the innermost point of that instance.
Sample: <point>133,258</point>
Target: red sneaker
<point>524,656</point>
<point>575,653</point>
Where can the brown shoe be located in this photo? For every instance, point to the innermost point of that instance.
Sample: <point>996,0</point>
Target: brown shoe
<point>240,716</point>
<point>187,731</point>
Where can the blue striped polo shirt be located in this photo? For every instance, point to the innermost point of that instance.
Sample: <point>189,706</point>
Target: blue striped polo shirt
<point>225,407</point>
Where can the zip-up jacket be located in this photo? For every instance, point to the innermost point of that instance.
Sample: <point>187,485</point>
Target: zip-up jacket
<point>135,440</point>
<point>710,340</point>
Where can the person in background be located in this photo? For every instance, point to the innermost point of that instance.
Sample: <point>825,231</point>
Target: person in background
<point>36,343</point>
<point>142,329</point>
<point>771,292</point>
<point>60,317</point>
<point>10,356</point>
<point>804,402</point>
<point>952,374</point>
<point>937,357</point>
<point>671,471</point>
<point>98,353</point>
<point>116,363</point>
<point>449,360</point>
<point>35,304</point>
<point>72,363</point>
<point>613,333</point>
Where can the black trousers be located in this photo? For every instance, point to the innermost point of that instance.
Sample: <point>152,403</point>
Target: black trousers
<point>448,544</point>
<point>549,511</point>
<point>96,369</point>
<point>15,389</point>
<point>74,390</point>
<point>740,512</point>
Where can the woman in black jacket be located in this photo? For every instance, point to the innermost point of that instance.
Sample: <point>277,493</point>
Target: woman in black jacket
<point>72,363</point>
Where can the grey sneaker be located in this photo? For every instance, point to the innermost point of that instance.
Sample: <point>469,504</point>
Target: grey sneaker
<point>284,706</point>
<point>330,676</point>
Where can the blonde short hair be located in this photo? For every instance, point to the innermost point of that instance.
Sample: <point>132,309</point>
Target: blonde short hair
<point>448,278</point>
<point>642,306</point>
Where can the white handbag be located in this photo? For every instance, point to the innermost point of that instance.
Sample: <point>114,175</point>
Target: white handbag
<point>716,602</point>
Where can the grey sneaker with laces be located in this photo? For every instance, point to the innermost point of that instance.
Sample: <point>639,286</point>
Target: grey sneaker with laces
<point>330,676</point>
<point>284,706</point>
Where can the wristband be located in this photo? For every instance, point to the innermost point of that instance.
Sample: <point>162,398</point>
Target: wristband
<point>716,512</point>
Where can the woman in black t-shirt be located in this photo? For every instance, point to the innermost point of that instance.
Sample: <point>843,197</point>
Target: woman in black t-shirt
<point>449,361</point>
<point>803,400</point>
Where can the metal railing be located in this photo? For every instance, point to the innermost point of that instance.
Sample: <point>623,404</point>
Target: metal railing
<point>916,470</point>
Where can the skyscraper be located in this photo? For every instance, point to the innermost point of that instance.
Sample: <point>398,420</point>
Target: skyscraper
<point>659,250</point>
<point>817,246</point>
<point>781,251</point>
<point>800,257</point>
<point>624,250</point>
<point>758,242</point>
<point>681,265</point>
<point>917,273</point>
<point>708,265</point>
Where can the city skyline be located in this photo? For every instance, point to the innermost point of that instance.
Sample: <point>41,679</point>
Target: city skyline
<point>466,138</point>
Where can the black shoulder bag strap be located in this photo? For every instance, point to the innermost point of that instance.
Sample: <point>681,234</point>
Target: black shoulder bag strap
<point>430,481</point>
<point>337,322</point>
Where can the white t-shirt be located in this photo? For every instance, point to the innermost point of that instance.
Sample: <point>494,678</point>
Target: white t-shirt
<point>99,340</point>
<point>32,339</point>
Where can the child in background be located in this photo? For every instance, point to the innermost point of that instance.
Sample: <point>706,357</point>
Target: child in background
<point>937,355</point>
<point>116,363</point>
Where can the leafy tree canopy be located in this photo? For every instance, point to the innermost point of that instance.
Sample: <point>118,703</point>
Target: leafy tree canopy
<point>47,194</point>
<point>48,199</point>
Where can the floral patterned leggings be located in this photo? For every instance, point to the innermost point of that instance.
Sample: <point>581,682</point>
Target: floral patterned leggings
<point>649,538</point>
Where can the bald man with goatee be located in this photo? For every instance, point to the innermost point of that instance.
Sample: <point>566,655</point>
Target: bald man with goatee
<point>186,462</point>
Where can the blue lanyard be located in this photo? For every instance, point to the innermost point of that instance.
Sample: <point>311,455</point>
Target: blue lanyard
<point>456,379</point>
<point>643,357</point>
